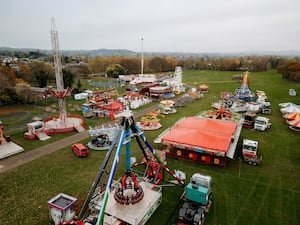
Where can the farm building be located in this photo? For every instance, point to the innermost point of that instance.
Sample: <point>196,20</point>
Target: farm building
<point>203,140</point>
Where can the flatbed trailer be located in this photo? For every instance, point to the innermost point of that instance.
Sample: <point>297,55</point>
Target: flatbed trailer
<point>253,161</point>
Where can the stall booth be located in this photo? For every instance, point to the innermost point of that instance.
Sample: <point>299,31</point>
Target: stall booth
<point>202,139</point>
<point>61,208</point>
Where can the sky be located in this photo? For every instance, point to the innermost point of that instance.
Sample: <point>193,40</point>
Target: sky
<point>164,25</point>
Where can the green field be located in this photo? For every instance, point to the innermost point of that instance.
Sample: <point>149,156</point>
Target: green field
<point>242,194</point>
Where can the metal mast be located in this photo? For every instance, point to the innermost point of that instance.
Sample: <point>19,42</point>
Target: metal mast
<point>142,59</point>
<point>60,93</point>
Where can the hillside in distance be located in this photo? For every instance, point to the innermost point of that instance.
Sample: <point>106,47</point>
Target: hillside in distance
<point>123,52</point>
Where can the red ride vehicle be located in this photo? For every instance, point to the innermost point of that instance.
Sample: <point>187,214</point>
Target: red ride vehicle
<point>80,150</point>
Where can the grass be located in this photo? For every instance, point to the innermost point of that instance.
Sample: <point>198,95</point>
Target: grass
<point>243,194</point>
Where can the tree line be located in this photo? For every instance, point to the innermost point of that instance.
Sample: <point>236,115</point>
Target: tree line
<point>16,84</point>
<point>132,65</point>
<point>290,71</point>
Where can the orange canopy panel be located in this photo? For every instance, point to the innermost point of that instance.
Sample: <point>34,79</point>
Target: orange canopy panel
<point>112,106</point>
<point>203,133</point>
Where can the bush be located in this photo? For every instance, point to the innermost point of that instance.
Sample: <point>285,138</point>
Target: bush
<point>115,70</point>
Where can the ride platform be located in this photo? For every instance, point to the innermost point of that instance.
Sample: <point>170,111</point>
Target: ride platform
<point>133,214</point>
<point>9,148</point>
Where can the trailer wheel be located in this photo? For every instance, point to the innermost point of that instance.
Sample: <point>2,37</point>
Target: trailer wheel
<point>250,163</point>
<point>254,163</point>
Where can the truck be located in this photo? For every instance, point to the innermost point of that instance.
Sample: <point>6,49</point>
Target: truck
<point>262,123</point>
<point>250,152</point>
<point>249,119</point>
<point>197,200</point>
<point>266,108</point>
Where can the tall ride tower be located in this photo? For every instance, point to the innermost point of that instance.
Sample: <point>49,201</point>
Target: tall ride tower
<point>60,93</point>
<point>142,57</point>
<point>64,122</point>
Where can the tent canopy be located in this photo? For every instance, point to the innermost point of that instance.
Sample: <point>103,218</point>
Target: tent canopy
<point>290,109</point>
<point>292,116</point>
<point>294,123</point>
<point>114,105</point>
<point>203,133</point>
<point>287,104</point>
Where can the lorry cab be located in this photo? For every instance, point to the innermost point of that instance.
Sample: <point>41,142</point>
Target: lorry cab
<point>249,151</point>
<point>197,200</point>
<point>199,189</point>
<point>266,108</point>
<point>262,123</point>
<point>250,148</point>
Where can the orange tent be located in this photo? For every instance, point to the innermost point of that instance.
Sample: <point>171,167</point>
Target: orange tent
<point>295,123</point>
<point>112,105</point>
<point>203,87</point>
<point>292,116</point>
<point>202,133</point>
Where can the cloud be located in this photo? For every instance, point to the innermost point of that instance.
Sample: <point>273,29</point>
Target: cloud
<point>166,25</point>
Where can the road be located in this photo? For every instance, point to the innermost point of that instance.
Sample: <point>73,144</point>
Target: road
<point>25,157</point>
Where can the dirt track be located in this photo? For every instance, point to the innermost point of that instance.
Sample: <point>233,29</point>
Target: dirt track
<point>22,158</point>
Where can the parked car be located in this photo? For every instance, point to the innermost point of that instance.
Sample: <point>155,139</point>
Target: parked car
<point>80,150</point>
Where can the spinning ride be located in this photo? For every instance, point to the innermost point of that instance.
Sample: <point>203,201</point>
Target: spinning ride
<point>131,199</point>
<point>102,137</point>
<point>150,121</point>
<point>244,92</point>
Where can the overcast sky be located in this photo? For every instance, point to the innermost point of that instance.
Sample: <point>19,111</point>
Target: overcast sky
<point>165,25</point>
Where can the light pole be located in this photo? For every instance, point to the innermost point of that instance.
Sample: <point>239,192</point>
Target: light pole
<point>142,59</point>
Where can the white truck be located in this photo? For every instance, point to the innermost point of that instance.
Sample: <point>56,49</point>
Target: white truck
<point>262,123</point>
<point>249,151</point>
<point>266,108</point>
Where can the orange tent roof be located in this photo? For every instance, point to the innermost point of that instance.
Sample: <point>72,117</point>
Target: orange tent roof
<point>294,123</point>
<point>203,133</point>
<point>292,116</point>
<point>114,105</point>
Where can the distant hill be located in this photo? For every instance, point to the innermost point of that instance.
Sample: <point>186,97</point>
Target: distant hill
<point>124,52</point>
<point>111,52</point>
<point>90,53</point>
